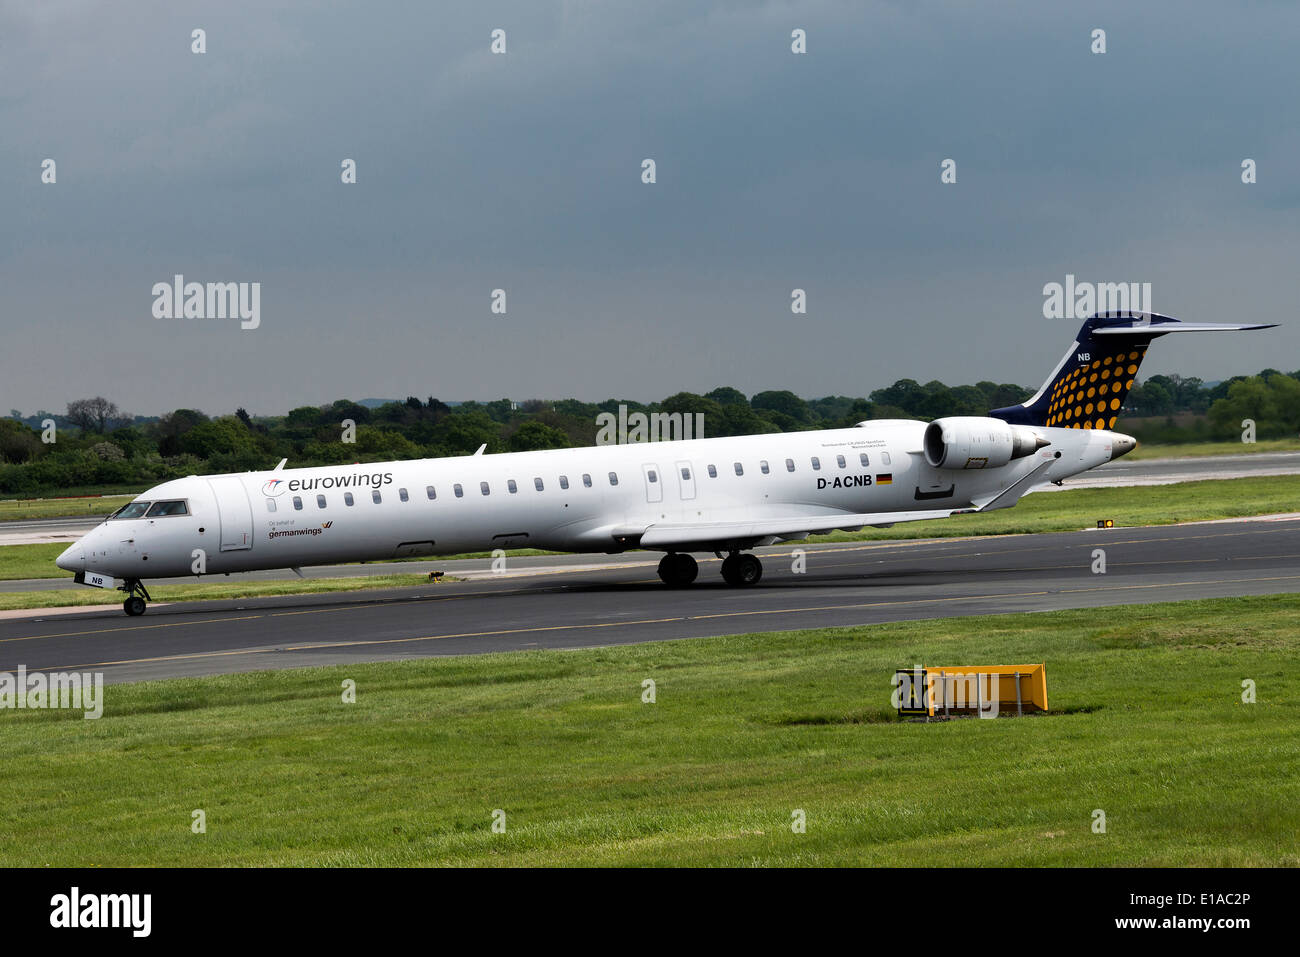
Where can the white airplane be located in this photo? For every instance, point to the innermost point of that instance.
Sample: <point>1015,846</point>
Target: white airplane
<point>701,495</point>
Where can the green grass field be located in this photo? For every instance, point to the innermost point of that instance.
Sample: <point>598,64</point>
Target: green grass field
<point>1147,725</point>
<point>1198,449</point>
<point>1081,508</point>
<point>18,509</point>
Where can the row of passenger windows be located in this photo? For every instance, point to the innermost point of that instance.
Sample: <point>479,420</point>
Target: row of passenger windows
<point>377,497</point>
<point>763,467</point>
<point>513,487</point>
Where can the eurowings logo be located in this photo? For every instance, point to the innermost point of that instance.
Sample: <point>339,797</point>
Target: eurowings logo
<point>273,487</point>
<point>326,524</point>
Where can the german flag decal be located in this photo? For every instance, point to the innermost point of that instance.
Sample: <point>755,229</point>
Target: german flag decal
<point>885,478</point>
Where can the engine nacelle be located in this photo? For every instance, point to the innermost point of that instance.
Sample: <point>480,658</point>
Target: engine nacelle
<point>977,442</point>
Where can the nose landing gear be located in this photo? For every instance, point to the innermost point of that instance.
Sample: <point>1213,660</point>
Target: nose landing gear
<point>136,596</point>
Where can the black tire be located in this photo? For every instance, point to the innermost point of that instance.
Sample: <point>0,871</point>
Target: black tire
<point>134,606</point>
<point>741,570</point>
<point>749,569</point>
<point>678,570</point>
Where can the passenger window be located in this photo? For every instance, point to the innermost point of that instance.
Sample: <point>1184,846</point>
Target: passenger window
<point>789,465</point>
<point>686,475</point>
<point>762,467</point>
<point>740,469</point>
<point>376,497</point>
<point>297,503</point>
<point>429,491</point>
<point>270,505</point>
<point>401,493</point>
<point>884,457</point>
<point>839,460</point>
<point>613,478</point>
<point>460,492</point>
<point>564,481</point>
<point>586,480</point>
<point>320,501</point>
<point>167,508</point>
<point>483,487</point>
<point>817,463</point>
<point>537,484</point>
<point>512,486</point>
<point>348,499</point>
<point>713,471</point>
<point>651,476</point>
<point>862,457</point>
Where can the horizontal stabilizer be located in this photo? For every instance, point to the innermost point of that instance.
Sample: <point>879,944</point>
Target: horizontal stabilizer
<point>1160,328</point>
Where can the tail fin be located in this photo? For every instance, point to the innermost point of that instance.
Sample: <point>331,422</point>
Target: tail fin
<point>1087,388</point>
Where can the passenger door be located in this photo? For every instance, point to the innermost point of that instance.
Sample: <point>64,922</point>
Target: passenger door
<point>236,514</point>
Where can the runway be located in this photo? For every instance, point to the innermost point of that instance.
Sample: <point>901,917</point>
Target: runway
<point>580,603</point>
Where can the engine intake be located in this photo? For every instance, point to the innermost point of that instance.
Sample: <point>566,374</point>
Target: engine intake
<point>977,442</point>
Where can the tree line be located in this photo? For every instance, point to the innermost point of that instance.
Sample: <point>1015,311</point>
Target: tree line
<point>94,444</point>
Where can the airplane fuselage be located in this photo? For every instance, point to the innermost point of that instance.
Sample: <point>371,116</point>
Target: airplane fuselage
<point>595,499</point>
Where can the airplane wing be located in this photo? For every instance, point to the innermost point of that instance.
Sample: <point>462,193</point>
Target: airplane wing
<point>722,533</point>
<point>719,535</point>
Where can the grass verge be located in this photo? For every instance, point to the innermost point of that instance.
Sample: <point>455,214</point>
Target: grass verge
<point>1179,450</point>
<point>1148,725</point>
<point>19,509</point>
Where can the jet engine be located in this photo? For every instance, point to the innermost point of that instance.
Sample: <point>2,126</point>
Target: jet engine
<point>976,442</point>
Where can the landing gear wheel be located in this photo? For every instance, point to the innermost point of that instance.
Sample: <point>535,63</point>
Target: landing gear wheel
<point>677,570</point>
<point>740,569</point>
<point>136,596</point>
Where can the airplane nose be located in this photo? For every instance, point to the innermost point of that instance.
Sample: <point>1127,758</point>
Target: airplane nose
<point>73,558</point>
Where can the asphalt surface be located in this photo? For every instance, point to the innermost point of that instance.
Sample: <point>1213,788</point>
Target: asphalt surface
<point>550,603</point>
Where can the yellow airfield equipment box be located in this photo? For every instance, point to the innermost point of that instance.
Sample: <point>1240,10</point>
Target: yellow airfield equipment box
<point>987,690</point>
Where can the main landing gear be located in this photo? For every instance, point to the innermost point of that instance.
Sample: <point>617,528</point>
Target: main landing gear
<point>677,569</point>
<point>136,596</point>
<point>741,569</point>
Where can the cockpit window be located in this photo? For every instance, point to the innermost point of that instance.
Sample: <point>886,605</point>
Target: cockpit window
<point>134,510</point>
<point>168,508</point>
